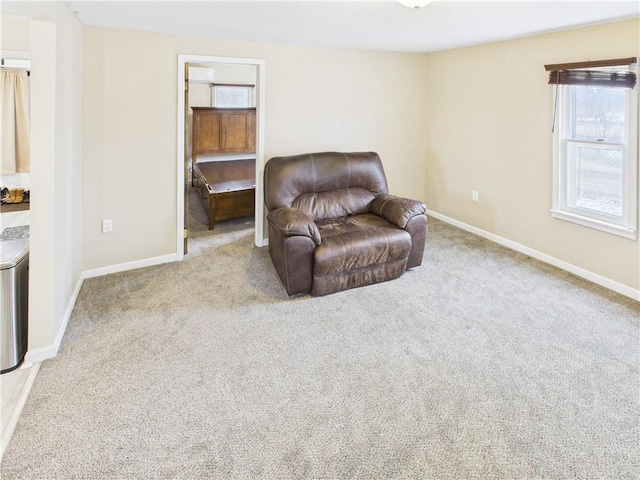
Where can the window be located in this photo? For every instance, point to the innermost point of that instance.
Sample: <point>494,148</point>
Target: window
<point>595,146</point>
<point>232,96</point>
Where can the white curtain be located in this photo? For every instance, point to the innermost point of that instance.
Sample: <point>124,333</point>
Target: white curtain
<point>14,118</point>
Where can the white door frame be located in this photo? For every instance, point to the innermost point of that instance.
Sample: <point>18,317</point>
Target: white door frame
<point>260,117</point>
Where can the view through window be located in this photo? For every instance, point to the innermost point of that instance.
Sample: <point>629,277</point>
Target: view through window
<point>595,149</point>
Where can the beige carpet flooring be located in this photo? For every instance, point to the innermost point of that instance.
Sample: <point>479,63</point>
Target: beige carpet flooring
<point>480,364</point>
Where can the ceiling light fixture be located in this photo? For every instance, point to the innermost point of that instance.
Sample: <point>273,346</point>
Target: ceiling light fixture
<point>414,3</point>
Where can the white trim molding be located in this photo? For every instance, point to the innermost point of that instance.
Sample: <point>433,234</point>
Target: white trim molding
<point>619,230</point>
<point>37,355</point>
<point>543,257</point>
<point>122,267</point>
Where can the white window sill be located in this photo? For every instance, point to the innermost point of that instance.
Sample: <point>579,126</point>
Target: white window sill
<point>596,224</point>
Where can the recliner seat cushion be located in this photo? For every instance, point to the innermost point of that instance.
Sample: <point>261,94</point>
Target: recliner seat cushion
<point>358,241</point>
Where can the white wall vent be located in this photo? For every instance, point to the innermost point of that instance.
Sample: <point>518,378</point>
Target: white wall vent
<point>200,75</point>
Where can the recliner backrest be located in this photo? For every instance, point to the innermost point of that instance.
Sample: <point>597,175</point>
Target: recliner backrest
<point>324,185</point>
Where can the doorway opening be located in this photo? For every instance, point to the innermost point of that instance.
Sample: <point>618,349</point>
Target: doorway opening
<point>199,96</point>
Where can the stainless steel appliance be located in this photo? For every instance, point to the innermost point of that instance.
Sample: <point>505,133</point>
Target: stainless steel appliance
<point>14,301</point>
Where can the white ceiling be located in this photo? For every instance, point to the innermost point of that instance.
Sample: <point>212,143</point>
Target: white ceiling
<point>372,25</point>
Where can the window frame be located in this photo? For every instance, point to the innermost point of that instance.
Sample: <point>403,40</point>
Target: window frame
<point>625,226</point>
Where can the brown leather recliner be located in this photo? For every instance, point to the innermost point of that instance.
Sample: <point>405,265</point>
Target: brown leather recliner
<point>333,225</point>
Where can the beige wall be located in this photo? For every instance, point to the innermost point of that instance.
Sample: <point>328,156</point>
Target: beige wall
<point>489,115</point>
<point>199,95</point>
<point>234,74</point>
<point>316,99</point>
<point>14,34</point>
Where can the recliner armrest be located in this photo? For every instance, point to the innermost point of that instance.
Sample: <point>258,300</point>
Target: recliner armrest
<point>290,222</point>
<point>397,210</point>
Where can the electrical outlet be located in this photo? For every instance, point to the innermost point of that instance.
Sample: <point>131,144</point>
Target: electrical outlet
<point>475,196</point>
<point>107,226</point>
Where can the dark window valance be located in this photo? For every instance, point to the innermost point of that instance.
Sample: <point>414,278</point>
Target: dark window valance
<point>596,78</point>
<point>579,73</point>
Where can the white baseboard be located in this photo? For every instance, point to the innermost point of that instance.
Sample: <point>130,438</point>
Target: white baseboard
<point>68,312</point>
<point>543,257</point>
<point>121,267</point>
<point>37,355</point>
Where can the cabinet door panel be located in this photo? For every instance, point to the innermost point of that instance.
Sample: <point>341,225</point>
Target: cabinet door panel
<point>235,138</point>
<point>251,131</point>
<point>208,126</point>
